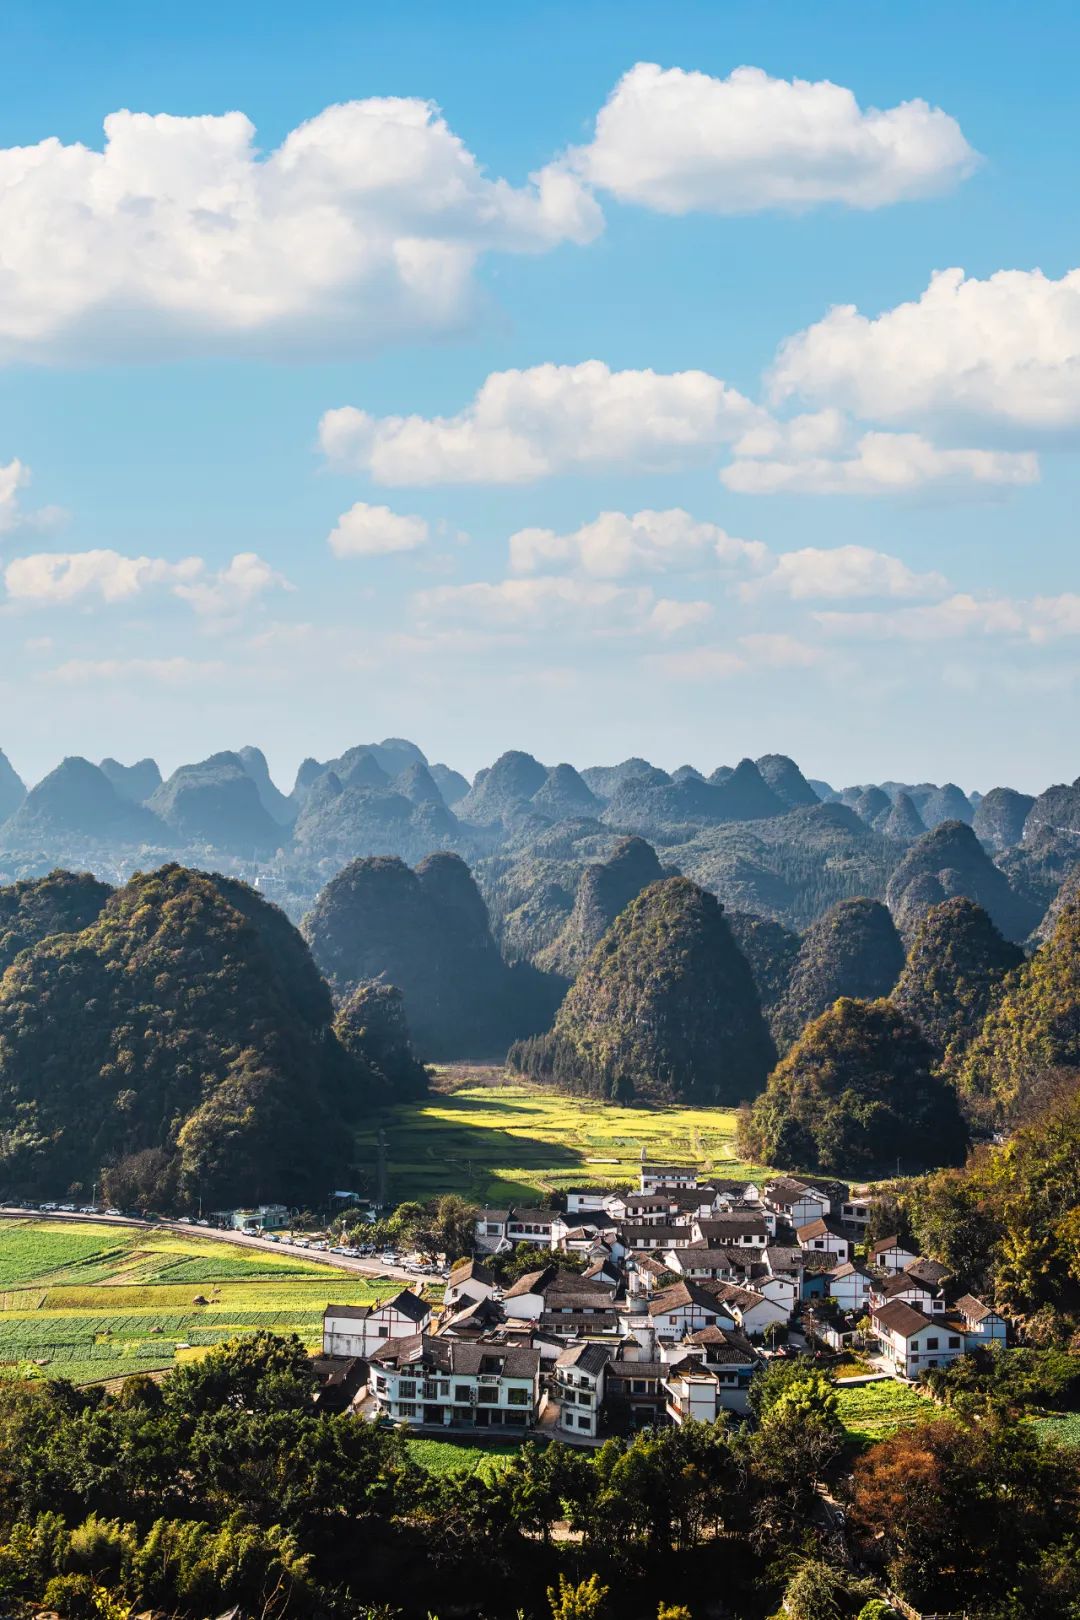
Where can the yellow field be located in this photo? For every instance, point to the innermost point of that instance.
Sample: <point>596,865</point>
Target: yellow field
<point>515,1141</point>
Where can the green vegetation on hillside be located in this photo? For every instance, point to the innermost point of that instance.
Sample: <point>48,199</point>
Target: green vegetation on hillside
<point>187,1023</point>
<point>855,1094</point>
<point>954,974</point>
<point>664,1009</point>
<point>853,950</point>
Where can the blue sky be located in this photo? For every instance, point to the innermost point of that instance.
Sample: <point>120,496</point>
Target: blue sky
<point>885,589</point>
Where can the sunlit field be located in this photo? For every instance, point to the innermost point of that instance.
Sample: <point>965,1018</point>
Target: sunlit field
<point>94,1301</point>
<point>494,1143</point>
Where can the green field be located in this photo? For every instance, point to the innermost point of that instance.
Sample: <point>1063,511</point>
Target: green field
<point>875,1411</point>
<point>450,1457</point>
<point>495,1143</point>
<point>94,1301</point>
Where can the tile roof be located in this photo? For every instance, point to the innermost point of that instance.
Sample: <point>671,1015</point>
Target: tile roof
<point>471,1271</point>
<point>931,1272</point>
<point>974,1309</point>
<point>887,1243</point>
<point>899,1317</point>
<point>459,1357</point>
<point>822,1227</point>
<point>679,1296</point>
<point>591,1358</point>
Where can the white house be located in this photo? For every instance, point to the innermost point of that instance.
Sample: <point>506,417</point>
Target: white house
<point>685,1308</point>
<point>824,1236</point>
<point>578,1387</point>
<point>699,1261</point>
<point>912,1341</point>
<point>454,1383</point>
<point>666,1175</point>
<point>587,1200</point>
<point>653,1235</point>
<point>531,1226</point>
<point>796,1201</point>
<point>902,1285</point>
<point>890,1255</point>
<point>753,1312</point>
<point>850,1284</point>
<point>491,1227</point>
<point>708,1373</point>
<point>471,1280</point>
<point>359,1330</point>
<point>747,1227</point>
<point>982,1324</point>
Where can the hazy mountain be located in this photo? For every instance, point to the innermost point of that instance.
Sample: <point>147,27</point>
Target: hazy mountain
<point>948,861</point>
<point>216,802</point>
<point>339,823</point>
<point>1056,810</point>
<point>1000,817</point>
<point>946,803</point>
<point>451,784</point>
<point>418,785</point>
<point>504,790</point>
<point>853,950</point>
<point>77,802</point>
<point>12,788</point>
<point>563,795</point>
<point>687,773</point>
<point>903,822</point>
<point>281,808</point>
<point>604,780</point>
<point>786,780</point>
<point>604,889</point>
<point>137,782</point>
<point>873,806</point>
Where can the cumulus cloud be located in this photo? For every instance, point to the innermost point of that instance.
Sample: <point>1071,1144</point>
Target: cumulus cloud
<point>58,578</point>
<point>376,531</point>
<point>839,572</point>
<point>366,223</point>
<point>1038,619</point>
<point>524,425</point>
<point>1004,350</point>
<point>558,602</point>
<point>678,141</point>
<point>818,454</point>
<point>14,478</point>
<point>617,544</point>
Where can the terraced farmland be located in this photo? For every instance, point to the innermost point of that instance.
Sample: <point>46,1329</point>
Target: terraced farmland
<point>876,1411</point>
<point>98,1301</point>
<point>495,1143</point>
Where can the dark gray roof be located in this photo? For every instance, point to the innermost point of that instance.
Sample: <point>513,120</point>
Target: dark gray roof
<point>465,1357</point>
<point>931,1272</point>
<point>591,1358</point>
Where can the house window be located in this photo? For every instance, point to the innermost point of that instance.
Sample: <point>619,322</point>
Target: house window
<point>461,1393</point>
<point>584,1423</point>
<point>931,1344</point>
<point>380,1385</point>
<point>406,1410</point>
<point>954,1344</point>
<point>487,1396</point>
<point>407,1389</point>
<point>517,1397</point>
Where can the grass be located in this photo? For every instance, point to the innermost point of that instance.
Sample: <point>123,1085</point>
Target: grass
<point>98,1301</point>
<point>498,1143</point>
<point>1063,1428</point>
<point>456,1457</point>
<point>876,1411</point>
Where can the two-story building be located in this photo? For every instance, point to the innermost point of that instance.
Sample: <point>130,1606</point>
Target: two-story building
<point>359,1330</point>
<point>912,1342</point>
<point>578,1386</point>
<point>825,1236</point>
<point>890,1254</point>
<point>456,1383</point>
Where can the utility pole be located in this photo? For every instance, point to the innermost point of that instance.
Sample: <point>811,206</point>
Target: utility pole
<point>381,1167</point>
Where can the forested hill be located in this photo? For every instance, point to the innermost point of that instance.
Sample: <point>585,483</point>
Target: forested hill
<point>182,1034</point>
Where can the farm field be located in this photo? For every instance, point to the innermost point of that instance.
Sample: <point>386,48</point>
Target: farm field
<point>499,1142</point>
<point>1063,1428</point>
<point>101,1301</point>
<point>875,1411</point>
<point>453,1457</point>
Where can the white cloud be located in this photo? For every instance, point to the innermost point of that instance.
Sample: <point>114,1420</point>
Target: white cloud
<point>558,602</point>
<point>1037,619</point>
<point>376,531</point>
<point>677,141</point>
<point>233,588</point>
<point>524,425</point>
<point>839,572</point>
<point>14,478</point>
<point>616,545</point>
<point>365,224</point>
<point>58,578</point>
<point>158,671</point>
<point>877,463</point>
<point>1005,350</point>
<point>745,653</point>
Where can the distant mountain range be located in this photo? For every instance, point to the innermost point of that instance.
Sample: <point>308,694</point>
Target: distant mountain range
<point>761,835</point>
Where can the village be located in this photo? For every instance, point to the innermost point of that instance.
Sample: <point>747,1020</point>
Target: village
<point>688,1288</point>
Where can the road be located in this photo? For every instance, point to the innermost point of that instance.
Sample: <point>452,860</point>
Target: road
<point>337,1262</point>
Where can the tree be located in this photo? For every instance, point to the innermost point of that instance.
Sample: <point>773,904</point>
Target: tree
<point>856,1092</point>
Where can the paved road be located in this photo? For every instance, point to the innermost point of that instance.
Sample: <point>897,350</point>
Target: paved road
<point>338,1262</point>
